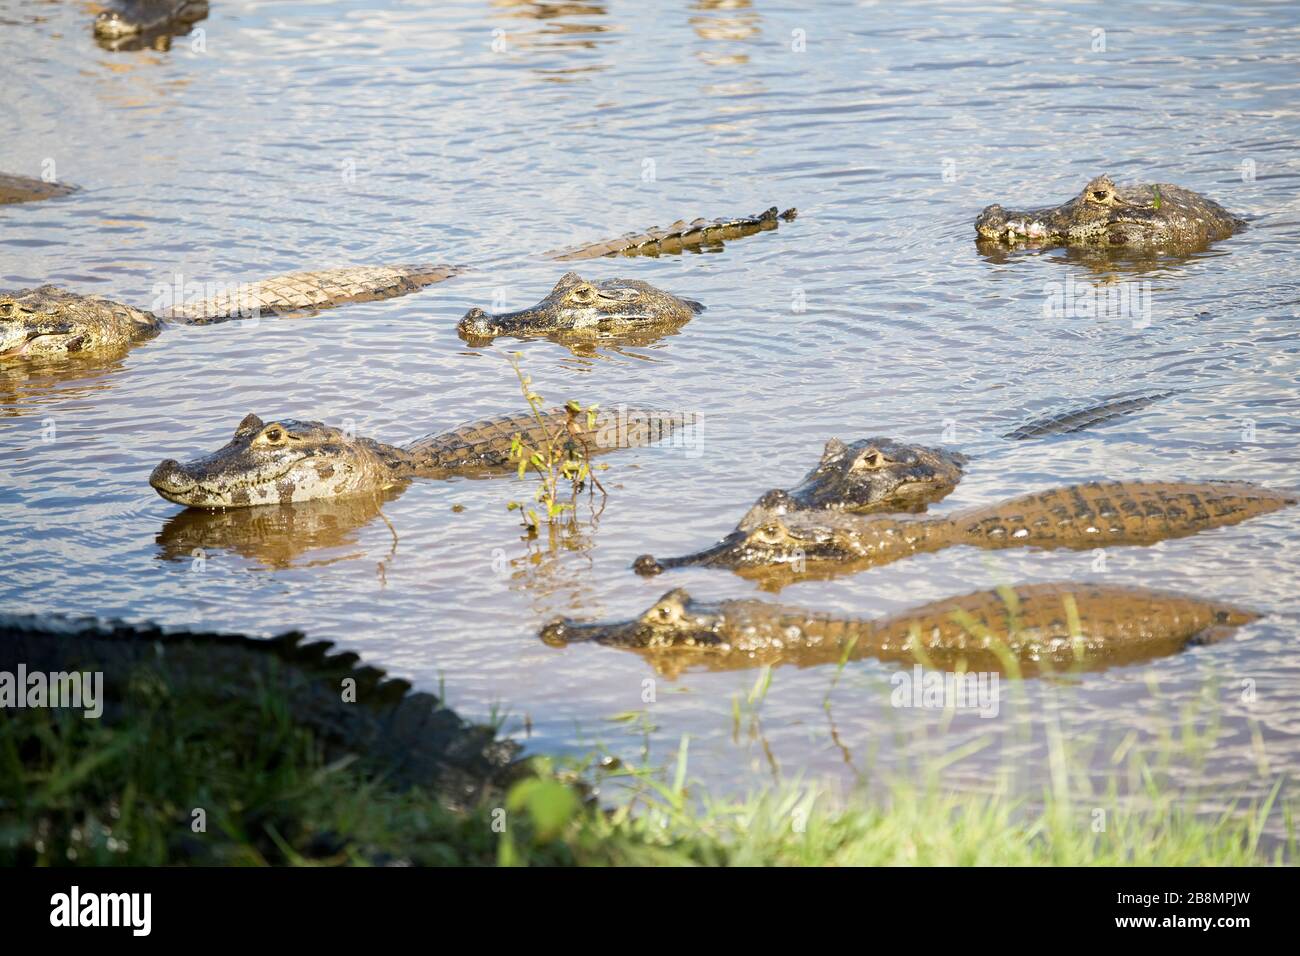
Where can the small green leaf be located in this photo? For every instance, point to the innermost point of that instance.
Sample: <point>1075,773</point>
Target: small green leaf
<point>549,804</point>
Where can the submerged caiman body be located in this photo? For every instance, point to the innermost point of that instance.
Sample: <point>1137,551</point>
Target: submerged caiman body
<point>287,460</point>
<point>577,309</point>
<point>408,736</point>
<point>15,189</point>
<point>1030,629</point>
<point>147,18</point>
<point>49,321</point>
<point>1105,215</point>
<point>1093,515</point>
<point>580,308</point>
<point>698,235</point>
<point>878,474</point>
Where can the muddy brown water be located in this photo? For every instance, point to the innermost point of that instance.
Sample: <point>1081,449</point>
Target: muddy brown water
<point>311,134</point>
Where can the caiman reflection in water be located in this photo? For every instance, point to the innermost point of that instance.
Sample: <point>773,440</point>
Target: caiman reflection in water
<point>26,386</point>
<point>1031,629</point>
<point>278,536</point>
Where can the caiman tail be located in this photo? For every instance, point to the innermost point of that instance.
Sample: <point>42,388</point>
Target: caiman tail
<point>1115,512</point>
<point>680,236</point>
<point>1030,629</point>
<point>299,292</point>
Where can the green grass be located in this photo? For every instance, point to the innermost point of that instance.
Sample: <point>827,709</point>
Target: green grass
<point>74,791</point>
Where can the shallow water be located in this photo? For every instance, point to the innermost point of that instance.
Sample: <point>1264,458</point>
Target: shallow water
<point>313,134</point>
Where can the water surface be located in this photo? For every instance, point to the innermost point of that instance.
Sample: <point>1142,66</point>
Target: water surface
<point>292,135</point>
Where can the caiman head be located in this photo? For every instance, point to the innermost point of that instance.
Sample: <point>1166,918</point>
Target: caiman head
<point>675,620</point>
<point>50,321</point>
<point>125,18</point>
<point>1112,216</point>
<point>576,305</point>
<point>769,540</point>
<point>279,462</point>
<point>871,475</point>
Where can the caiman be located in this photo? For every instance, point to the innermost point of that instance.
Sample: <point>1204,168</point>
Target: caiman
<point>1117,217</point>
<point>14,189</point>
<point>579,308</point>
<point>49,321</point>
<point>1032,628</point>
<point>1093,515</point>
<point>286,460</point>
<point>141,20</point>
<point>406,735</point>
<point>879,474</point>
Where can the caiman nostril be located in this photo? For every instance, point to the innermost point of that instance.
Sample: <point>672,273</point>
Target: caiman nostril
<point>168,474</point>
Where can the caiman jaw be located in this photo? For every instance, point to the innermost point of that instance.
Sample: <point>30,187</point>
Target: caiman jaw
<point>648,565</point>
<point>562,632</point>
<point>112,25</point>
<point>996,223</point>
<point>173,482</point>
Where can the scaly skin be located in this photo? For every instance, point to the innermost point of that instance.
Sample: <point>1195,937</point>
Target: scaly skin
<point>1093,515</point>
<point>877,475</point>
<point>286,461</point>
<point>15,189</point>
<point>49,321</point>
<point>1063,423</point>
<point>697,235</point>
<point>1117,217</point>
<point>867,476</point>
<point>130,18</point>
<point>300,292</point>
<point>89,323</point>
<point>1041,627</point>
<point>583,309</point>
<point>409,735</point>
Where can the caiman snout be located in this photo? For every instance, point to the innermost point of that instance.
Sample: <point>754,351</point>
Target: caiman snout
<point>112,24</point>
<point>478,323</point>
<point>991,222</point>
<point>721,554</point>
<point>170,478</point>
<point>561,632</point>
<point>647,565</point>
<point>555,633</point>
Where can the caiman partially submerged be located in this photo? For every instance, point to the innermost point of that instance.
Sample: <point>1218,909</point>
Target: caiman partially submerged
<point>879,474</point>
<point>286,460</point>
<point>1117,217</point>
<point>132,24</point>
<point>1093,515</point>
<point>584,309</point>
<point>410,737</point>
<point>1039,627</point>
<point>49,322</point>
<point>15,189</point>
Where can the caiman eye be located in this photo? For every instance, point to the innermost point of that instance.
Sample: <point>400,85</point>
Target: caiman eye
<point>583,294</point>
<point>664,613</point>
<point>273,436</point>
<point>769,533</point>
<point>870,459</point>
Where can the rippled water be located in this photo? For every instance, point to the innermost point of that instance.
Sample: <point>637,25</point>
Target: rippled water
<point>314,134</point>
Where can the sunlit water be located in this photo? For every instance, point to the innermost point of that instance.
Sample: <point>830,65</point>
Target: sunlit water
<point>313,134</point>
